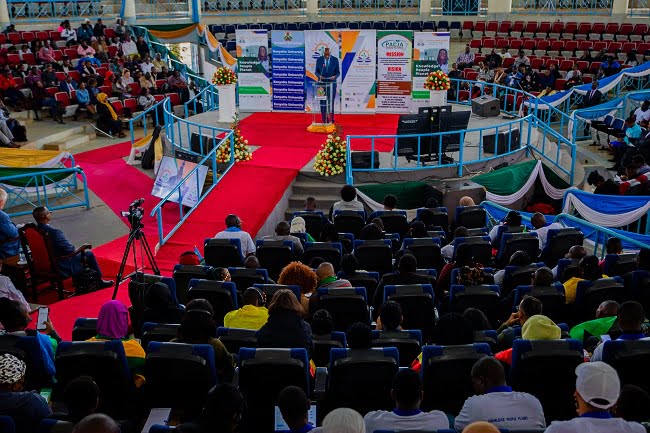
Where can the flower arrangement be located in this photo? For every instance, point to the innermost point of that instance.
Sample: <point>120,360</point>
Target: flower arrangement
<point>242,149</point>
<point>223,76</point>
<point>437,80</point>
<point>330,160</point>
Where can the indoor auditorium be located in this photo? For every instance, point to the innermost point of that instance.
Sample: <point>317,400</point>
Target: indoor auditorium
<point>445,229</point>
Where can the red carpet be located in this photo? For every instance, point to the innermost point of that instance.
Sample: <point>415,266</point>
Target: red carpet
<point>251,190</point>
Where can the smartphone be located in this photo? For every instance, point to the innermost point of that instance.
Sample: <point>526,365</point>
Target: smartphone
<point>43,314</point>
<point>46,393</point>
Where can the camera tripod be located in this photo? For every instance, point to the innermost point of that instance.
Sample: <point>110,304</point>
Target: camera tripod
<point>135,235</point>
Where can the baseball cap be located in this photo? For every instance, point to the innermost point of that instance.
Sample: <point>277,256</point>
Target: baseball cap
<point>598,384</point>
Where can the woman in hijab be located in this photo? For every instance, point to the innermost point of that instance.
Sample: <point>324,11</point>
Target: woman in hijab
<point>198,327</point>
<point>298,225</point>
<point>108,120</point>
<point>113,324</point>
<point>160,305</point>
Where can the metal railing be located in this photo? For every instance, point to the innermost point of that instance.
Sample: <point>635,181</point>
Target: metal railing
<point>638,8</point>
<point>141,118</point>
<point>459,7</point>
<point>30,11</point>
<point>562,7</point>
<point>254,7</point>
<point>173,9</point>
<point>329,7</point>
<point>55,188</point>
<point>205,100</point>
<point>179,132</point>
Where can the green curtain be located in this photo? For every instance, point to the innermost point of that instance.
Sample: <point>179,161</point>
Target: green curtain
<point>28,180</point>
<point>411,194</point>
<point>507,180</point>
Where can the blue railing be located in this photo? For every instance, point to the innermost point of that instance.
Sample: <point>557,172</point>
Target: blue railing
<point>562,7</point>
<point>141,118</point>
<point>45,188</point>
<point>254,7</point>
<point>179,132</point>
<point>459,7</point>
<point>638,8</point>
<point>336,7</point>
<point>207,99</point>
<point>30,11</point>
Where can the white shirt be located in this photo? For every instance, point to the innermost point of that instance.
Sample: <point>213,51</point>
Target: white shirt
<point>506,410</point>
<point>8,290</point>
<point>129,48</point>
<point>595,425</point>
<point>598,352</point>
<point>347,205</point>
<point>384,420</point>
<point>247,245</point>
<point>642,115</point>
<point>493,233</point>
<point>146,67</point>
<point>542,233</point>
<point>447,252</point>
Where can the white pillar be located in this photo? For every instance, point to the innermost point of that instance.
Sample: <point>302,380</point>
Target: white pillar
<point>425,9</point>
<point>194,8</point>
<point>4,14</point>
<point>499,7</point>
<point>312,9</point>
<point>129,12</point>
<point>619,8</point>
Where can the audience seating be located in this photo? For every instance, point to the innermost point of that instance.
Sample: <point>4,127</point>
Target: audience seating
<point>484,297</point>
<point>417,302</point>
<point>368,280</point>
<point>221,295</point>
<point>517,276</point>
<point>440,217</point>
<point>348,373</point>
<point>590,294</point>
<point>376,256</point>
<point>513,242</point>
<point>323,344</point>
<point>619,264</point>
<point>314,222</point>
<point>630,359</point>
<point>408,343</point>
<point>553,360</point>
<point>446,377</point>
<point>245,277</point>
<point>426,252</point>
<point>30,351</point>
<point>552,298</point>
<point>222,252</point>
<point>274,255</point>
<point>84,328</point>
<point>558,242</point>
<point>478,248</point>
<point>329,251</point>
<point>236,338</point>
<point>270,289</point>
<point>346,305</point>
<point>394,221</point>
<point>349,221</point>
<point>183,274</point>
<point>159,332</point>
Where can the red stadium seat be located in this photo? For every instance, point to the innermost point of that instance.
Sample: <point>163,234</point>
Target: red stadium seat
<point>479,27</point>
<point>20,83</point>
<point>586,46</point>
<point>488,43</point>
<point>566,65</point>
<point>593,67</point>
<point>135,88</point>
<point>628,47</point>
<point>109,32</point>
<point>531,29</point>
<point>63,98</point>
<point>472,76</point>
<point>159,98</point>
<point>71,53</point>
<point>479,58</point>
<point>175,99</point>
<point>516,44</point>
<point>557,47</point>
<point>463,95</point>
<point>611,29</point>
<point>529,45</point>
<point>3,38</point>
<point>508,62</point>
<point>476,44</point>
<point>131,104</point>
<point>502,43</point>
<point>544,28</point>
<point>571,47</point>
<point>597,31</point>
<point>614,47</point>
<point>570,29</point>
<point>556,29</point>
<point>13,59</point>
<point>52,91</point>
<point>159,83</point>
<point>584,29</point>
<point>75,75</point>
<point>492,28</point>
<point>60,75</point>
<point>550,62</point>
<point>517,28</point>
<point>14,38</point>
<point>42,36</point>
<point>643,48</point>
<point>27,37</point>
<point>640,30</point>
<point>102,71</point>
<point>536,63</point>
<point>54,35</point>
<point>106,89</point>
<point>624,32</point>
<point>58,55</point>
<point>112,51</point>
<point>600,45</point>
<point>29,58</point>
<point>504,28</point>
<point>118,106</point>
<point>587,79</point>
<point>559,84</point>
<point>543,46</point>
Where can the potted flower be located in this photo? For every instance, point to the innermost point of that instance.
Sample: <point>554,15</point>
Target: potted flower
<point>330,160</point>
<point>225,80</point>
<point>437,82</point>
<point>242,149</point>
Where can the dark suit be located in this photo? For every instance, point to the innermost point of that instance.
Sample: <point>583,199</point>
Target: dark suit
<point>62,246</point>
<point>328,71</point>
<point>63,86</point>
<point>591,99</point>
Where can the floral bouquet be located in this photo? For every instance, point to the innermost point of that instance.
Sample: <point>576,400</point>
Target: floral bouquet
<point>330,160</point>
<point>437,80</point>
<point>242,150</point>
<point>224,76</point>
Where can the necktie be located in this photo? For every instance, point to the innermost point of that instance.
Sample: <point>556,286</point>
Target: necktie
<point>70,87</point>
<point>327,61</point>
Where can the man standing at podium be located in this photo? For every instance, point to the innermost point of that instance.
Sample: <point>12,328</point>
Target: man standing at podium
<point>327,71</point>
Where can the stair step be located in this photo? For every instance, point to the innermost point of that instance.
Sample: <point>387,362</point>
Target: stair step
<point>316,189</point>
<point>69,137</point>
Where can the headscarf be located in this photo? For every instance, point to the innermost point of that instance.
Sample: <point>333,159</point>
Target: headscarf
<point>12,369</point>
<point>113,320</point>
<point>298,225</point>
<point>344,420</point>
<point>102,99</point>
<point>158,296</point>
<point>540,327</point>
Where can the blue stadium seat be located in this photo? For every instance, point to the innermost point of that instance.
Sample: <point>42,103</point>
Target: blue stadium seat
<point>161,332</point>
<point>558,243</point>
<point>184,273</point>
<point>329,251</point>
<point>619,264</point>
<point>567,264</point>
<point>513,242</point>
<point>553,360</point>
<point>36,356</point>
<point>236,338</point>
<point>418,306</point>
<point>222,252</point>
<point>157,428</point>
<point>408,343</point>
<point>479,248</point>
<point>636,285</point>
<point>179,376</point>
<point>7,424</point>
<point>346,305</point>
<point>106,363</point>
<point>517,276</point>
<point>471,217</point>
<point>590,294</point>
<point>394,221</point>
<point>440,216</point>
<point>263,373</point>
<point>375,255</point>
<point>366,279</point>
<point>323,344</point>
<point>270,289</point>
<point>630,359</point>
<point>505,228</point>
<point>245,277</point>
<point>274,255</point>
<point>431,273</point>
<point>51,426</point>
<point>446,377</point>
<point>314,222</point>
<point>84,328</point>
<point>221,295</point>
<point>349,221</point>
<point>426,252</point>
<point>552,298</point>
<point>488,336</point>
<point>348,383</point>
<point>484,297</point>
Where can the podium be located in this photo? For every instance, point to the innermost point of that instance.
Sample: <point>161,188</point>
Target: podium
<point>321,116</point>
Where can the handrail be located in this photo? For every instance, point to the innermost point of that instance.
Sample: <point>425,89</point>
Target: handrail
<point>209,158</point>
<point>208,98</point>
<point>142,117</point>
<point>38,179</point>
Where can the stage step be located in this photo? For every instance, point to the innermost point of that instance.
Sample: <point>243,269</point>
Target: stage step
<point>324,201</point>
<point>323,189</point>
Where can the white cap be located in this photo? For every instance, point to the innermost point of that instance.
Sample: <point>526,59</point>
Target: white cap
<point>344,420</point>
<point>598,384</point>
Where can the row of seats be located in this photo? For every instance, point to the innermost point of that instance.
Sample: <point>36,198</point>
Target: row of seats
<point>30,58</point>
<point>25,37</point>
<point>571,29</point>
<point>546,45</point>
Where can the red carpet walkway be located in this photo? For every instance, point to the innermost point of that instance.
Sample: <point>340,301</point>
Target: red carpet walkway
<point>251,190</point>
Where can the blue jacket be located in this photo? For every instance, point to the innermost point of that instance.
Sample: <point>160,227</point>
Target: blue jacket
<point>82,96</point>
<point>61,244</point>
<point>8,231</point>
<point>85,32</point>
<point>331,69</point>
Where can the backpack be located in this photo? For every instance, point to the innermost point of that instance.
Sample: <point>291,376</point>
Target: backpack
<point>85,281</point>
<point>17,130</point>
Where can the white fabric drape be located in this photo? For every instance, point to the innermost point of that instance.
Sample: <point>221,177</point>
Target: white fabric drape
<point>554,193</point>
<point>601,219</point>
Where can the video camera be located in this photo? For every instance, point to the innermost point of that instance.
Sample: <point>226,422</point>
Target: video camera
<point>135,213</point>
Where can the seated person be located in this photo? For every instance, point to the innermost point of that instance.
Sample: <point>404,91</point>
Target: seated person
<point>327,278</point>
<point>390,317</point>
<point>528,307</point>
<point>113,324</point>
<point>294,406</point>
<point>573,77</point>
<point>62,247</point>
<point>642,264</point>
<point>27,408</point>
<point>496,402</point>
<point>606,187</point>
<point>285,327</point>
<point>348,201</point>
<point>283,233</point>
<point>253,315</point>
<point>605,321</point>
<point>160,305</point>
<point>576,253</point>
<point>108,120</point>
<point>537,327</point>
<point>538,221</point>
<point>513,219</point>
<point>9,240</point>
<point>519,259</point>
<point>234,231</point>
<point>406,274</point>
<point>81,398</point>
<point>448,250</point>
<point>612,246</point>
<point>630,318</point>
<point>406,392</point>
<point>588,269</point>
<point>222,412</point>
<point>632,135</point>
<point>97,423</point>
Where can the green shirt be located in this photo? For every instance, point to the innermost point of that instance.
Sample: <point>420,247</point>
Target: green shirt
<point>595,327</point>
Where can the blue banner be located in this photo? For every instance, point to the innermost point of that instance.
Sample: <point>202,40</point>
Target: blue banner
<point>288,50</point>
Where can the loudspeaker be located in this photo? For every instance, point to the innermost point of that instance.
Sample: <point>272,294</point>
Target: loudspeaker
<point>510,137</point>
<point>486,106</point>
<point>362,159</point>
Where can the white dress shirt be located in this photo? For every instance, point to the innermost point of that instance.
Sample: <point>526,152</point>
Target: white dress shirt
<point>589,424</point>
<point>405,420</point>
<point>247,245</point>
<point>542,233</point>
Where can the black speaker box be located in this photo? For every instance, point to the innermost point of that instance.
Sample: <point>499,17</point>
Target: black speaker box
<point>361,159</point>
<point>486,106</point>
<point>501,145</point>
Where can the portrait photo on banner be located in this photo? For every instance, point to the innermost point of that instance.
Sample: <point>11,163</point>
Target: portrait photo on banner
<point>172,172</point>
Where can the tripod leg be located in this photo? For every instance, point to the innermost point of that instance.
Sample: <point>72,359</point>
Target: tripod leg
<point>125,256</point>
<point>149,253</point>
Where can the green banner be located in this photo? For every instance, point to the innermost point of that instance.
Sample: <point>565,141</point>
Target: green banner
<point>30,180</point>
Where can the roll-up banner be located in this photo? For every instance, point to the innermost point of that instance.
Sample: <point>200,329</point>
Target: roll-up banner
<point>358,70</point>
<point>394,77</point>
<point>288,48</point>
<point>254,67</point>
<point>430,49</point>
<point>315,43</point>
